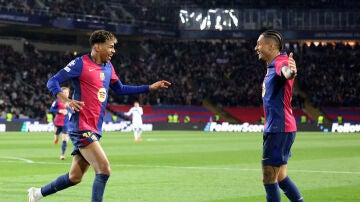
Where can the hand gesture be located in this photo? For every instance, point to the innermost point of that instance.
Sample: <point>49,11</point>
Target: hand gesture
<point>159,84</point>
<point>292,64</point>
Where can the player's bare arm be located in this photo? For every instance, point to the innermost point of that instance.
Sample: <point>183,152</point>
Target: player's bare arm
<point>74,105</point>
<point>159,84</point>
<point>289,71</point>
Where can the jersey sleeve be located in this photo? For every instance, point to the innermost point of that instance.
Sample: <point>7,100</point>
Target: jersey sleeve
<point>281,62</point>
<point>71,70</point>
<point>54,107</point>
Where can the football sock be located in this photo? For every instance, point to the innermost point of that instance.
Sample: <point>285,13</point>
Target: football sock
<point>272,192</point>
<point>63,147</point>
<point>290,190</point>
<point>62,182</point>
<point>99,187</point>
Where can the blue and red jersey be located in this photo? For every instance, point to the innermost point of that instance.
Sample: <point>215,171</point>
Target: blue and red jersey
<point>277,95</point>
<point>91,83</point>
<point>60,119</point>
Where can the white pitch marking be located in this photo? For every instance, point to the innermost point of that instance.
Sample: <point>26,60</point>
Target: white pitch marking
<point>191,167</point>
<point>17,158</point>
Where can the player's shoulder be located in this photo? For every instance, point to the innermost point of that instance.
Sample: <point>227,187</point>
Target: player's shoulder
<point>281,60</point>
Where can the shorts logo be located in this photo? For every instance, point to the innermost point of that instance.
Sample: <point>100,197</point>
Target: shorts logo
<point>101,94</point>
<point>91,135</point>
<point>87,134</point>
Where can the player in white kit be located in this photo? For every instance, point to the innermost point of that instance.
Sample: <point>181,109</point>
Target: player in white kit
<point>136,112</point>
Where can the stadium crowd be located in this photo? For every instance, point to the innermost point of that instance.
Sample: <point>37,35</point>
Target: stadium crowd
<point>227,73</point>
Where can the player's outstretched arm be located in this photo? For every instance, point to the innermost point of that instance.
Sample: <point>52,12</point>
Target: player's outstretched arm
<point>290,71</point>
<point>159,84</point>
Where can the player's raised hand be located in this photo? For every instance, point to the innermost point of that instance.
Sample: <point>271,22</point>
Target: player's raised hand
<point>160,84</point>
<point>292,64</point>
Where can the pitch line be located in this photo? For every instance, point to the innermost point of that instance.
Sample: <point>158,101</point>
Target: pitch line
<point>17,158</point>
<point>236,169</point>
<point>187,167</point>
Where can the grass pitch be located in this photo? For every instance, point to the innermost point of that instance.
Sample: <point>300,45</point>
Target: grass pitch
<point>184,166</point>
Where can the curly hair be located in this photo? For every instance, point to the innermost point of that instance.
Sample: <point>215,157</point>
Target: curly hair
<point>101,36</point>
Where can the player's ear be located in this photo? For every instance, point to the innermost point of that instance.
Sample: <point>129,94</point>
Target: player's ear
<point>96,47</point>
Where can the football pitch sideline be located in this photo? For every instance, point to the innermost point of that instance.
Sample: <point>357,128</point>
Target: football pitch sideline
<point>184,166</point>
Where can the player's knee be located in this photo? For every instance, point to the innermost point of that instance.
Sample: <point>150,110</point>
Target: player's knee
<point>269,175</point>
<point>75,179</point>
<point>104,169</point>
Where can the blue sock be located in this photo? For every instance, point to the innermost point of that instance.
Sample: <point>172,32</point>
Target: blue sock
<point>272,192</point>
<point>99,187</point>
<point>290,190</point>
<point>62,182</point>
<point>63,147</point>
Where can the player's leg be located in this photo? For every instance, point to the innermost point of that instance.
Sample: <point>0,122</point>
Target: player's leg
<point>135,133</point>
<point>97,158</point>
<point>271,166</point>
<point>58,130</point>
<point>140,131</point>
<point>286,184</point>
<point>78,168</point>
<point>65,138</point>
<point>270,174</point>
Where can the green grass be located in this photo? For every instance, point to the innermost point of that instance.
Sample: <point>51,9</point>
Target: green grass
<point>184,166</point>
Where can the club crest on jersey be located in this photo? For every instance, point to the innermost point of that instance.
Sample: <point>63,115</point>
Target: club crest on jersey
<point>101,94</point>
<point>102,76</point>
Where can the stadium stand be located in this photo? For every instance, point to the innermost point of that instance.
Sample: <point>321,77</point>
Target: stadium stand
<point>349,114</point>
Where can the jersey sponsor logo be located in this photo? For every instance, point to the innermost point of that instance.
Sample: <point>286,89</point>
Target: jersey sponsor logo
<point>91,69</point>
<point>101,94</point>
<point>67,68</point>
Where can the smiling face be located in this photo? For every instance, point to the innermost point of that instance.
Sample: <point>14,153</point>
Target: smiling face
<point>106,51</point>
<point>102,46</point>
<point>266,49</point>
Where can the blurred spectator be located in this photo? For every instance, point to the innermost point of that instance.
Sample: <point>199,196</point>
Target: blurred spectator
<point>222,71</point>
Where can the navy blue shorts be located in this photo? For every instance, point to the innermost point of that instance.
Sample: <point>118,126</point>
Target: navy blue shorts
<point>61,129</point>
<point>276,148</point>
<point>82,139</point>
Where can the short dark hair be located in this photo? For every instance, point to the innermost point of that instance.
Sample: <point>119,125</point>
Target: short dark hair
<point>276,36</point>
<point>101,36</point>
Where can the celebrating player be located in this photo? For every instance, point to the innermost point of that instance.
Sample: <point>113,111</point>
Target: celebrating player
<point>136,112</point>
<point>91,75</point>
<point>61,121</point>
<point>280,125</point>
